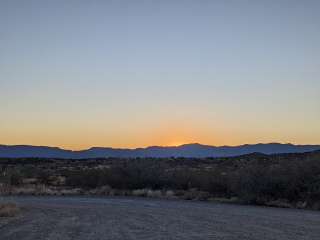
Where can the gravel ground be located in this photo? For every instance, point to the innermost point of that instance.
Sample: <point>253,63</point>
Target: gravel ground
<point>80,218</point>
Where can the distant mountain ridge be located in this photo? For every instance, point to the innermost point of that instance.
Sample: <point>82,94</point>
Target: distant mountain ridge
<point>188,150</point>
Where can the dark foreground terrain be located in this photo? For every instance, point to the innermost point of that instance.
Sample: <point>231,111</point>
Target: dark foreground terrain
<point>283,180</point>
<point>114,218</point>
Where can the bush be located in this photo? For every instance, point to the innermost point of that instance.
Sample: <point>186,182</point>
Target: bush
<point>284,179</point>
<point>8,209</point>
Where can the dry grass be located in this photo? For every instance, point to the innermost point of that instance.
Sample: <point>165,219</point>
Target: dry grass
<point>8,209</point>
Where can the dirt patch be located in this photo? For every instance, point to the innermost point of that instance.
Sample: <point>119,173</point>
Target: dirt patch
<point>118,218</point>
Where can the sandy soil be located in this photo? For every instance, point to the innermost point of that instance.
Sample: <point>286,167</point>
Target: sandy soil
<point>80,218</point>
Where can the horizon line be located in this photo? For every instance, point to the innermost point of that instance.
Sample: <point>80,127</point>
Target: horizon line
<point>161,146</point>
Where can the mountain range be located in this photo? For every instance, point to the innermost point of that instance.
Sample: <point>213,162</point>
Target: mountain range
<point>188,150</point>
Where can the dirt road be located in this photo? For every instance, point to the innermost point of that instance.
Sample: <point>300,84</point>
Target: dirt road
<point>62,218</point>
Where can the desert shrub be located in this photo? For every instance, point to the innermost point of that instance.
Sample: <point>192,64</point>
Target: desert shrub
<point>255,182</point>
<point>11,177</point>
<point>132,176</point>
<point>44,177</point>
<point>83,178</point>
<point>293,181</point>
<point>8,209</point>
<point>260,179</point>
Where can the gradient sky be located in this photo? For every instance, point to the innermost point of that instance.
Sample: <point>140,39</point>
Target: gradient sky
<point>77,74</point>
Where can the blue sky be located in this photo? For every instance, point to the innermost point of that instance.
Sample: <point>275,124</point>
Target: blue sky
<point>134,73</point>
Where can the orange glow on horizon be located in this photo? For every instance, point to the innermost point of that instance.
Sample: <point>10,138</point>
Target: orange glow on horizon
<point>140,134</point>
<point>176,143</point>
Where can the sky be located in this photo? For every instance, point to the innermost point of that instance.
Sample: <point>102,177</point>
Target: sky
<point>77,74</point>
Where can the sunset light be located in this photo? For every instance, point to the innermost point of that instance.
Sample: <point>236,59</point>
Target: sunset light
<point>139,119</point>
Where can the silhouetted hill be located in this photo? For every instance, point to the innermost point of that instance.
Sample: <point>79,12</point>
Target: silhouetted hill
<point>187,150</point>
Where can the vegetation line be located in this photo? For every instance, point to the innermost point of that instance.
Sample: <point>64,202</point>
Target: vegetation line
<point>283,180</point>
